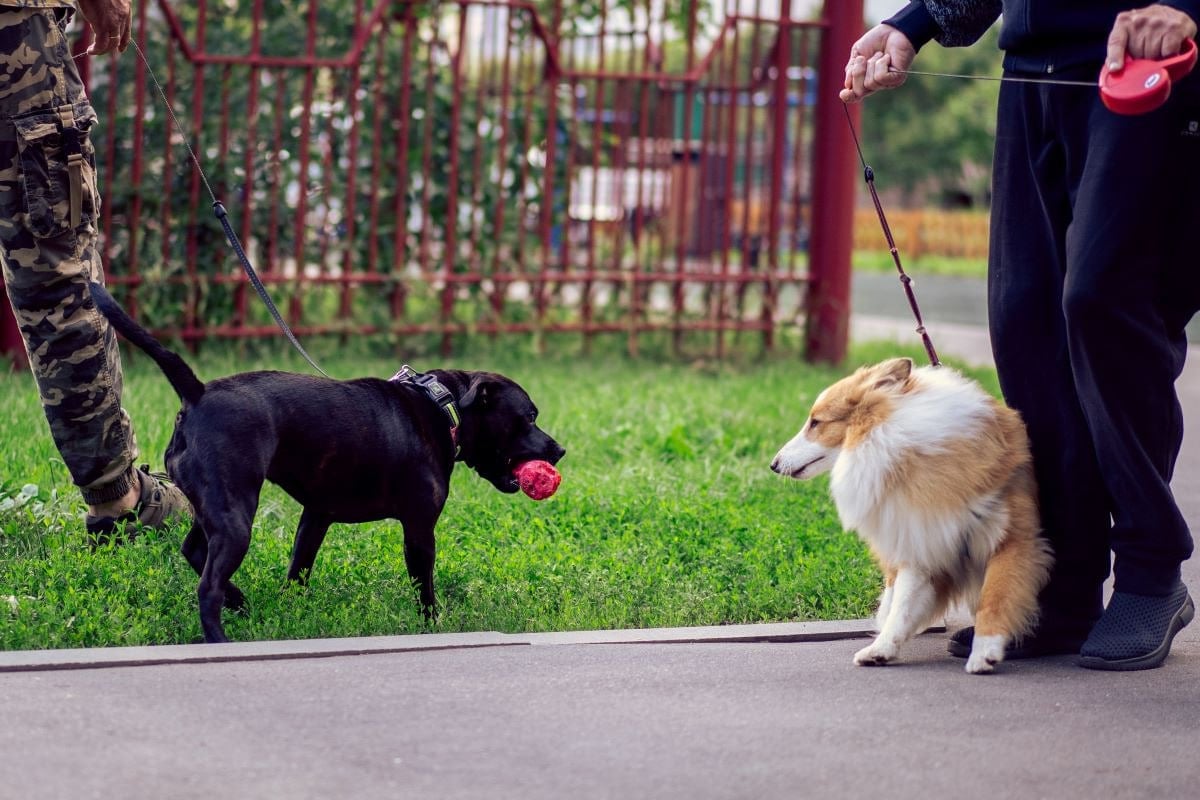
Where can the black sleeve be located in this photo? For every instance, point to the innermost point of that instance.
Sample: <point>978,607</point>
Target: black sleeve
<point>952,23</point>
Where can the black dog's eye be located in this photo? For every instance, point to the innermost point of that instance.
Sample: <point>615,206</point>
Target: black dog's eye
<point>812,424</point>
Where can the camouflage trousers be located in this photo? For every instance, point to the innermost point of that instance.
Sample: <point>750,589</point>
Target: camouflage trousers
<point>49,206</point>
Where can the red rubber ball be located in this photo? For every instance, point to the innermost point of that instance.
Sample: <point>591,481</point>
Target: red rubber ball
<point>538,479</point>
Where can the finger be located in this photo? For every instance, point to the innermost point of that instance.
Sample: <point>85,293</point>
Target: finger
<point>851,62</point>
<point>869,74</point>
<point>858,76</point>
<point>126,34</point>
<point>1118,42</point>
<point>852,70</point>
<point>885,78</point>
<point>876,72</point>
<point>1172,43</point>
<point>1140,45</point>
<point>847,96</point>
<point>1165,42</point>
<point>105,37</point>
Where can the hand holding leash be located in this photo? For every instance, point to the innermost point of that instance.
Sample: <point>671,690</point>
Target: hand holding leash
<point>1143,84</point>
<point>879,60</point>
<point>112,24</point>
<point>1155,32</point>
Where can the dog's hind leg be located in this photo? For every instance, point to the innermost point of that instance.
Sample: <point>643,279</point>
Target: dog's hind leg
<point>195,550</point>
<point>1015,575</point>
<point>195,547</point>
<point>228,540</point>
<point>913,602</point>
<point>310,533</point>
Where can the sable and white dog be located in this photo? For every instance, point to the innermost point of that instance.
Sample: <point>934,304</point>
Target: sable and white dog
<point>936,476</point>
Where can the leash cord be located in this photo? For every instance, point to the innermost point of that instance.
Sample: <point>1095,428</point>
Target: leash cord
<point>996,78</point>
<point>869,177</point>
<point>223,217</point>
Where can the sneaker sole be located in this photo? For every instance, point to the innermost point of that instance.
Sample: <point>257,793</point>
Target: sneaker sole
<point>1153,659</point>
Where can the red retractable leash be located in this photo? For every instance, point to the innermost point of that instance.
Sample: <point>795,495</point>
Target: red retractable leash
<point>1144,84</point>
<point>1141,85</point>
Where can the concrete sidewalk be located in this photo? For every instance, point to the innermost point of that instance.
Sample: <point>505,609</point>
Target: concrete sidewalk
<point>764,711</point>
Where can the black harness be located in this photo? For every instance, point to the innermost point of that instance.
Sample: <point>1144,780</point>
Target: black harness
<point>437,392</point>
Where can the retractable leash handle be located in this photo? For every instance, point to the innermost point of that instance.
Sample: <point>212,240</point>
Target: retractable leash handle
<point>1144,84</point>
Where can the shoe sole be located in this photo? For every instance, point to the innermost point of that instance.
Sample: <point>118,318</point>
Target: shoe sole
<point>1150,660</point>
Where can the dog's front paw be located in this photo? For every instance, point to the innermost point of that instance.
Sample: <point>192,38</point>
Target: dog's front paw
<point>875,655</point>
<point>986,653</point>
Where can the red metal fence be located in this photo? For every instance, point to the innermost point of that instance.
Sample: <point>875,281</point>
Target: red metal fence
<point>484,166</point>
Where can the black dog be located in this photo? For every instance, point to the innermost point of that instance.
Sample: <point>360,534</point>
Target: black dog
<point>347,451</point>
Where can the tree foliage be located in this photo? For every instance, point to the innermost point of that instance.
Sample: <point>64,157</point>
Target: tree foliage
<point>933,137</point>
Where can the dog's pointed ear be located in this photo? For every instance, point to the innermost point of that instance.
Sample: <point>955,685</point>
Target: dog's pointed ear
<point>892,372</point>
<point>478,392</point>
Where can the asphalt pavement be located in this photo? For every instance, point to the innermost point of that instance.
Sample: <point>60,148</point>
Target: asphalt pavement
<point>762,711</point>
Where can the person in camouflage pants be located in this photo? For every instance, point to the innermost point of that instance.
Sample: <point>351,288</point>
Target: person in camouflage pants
<point>49,206</point>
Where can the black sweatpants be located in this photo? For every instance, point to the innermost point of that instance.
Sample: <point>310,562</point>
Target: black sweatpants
<point>1094,272</point>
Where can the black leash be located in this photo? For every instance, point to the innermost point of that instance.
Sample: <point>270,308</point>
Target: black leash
<point>223,217</point>
<point>869,177</point>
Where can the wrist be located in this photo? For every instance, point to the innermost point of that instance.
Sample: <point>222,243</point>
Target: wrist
<point>915,22</point>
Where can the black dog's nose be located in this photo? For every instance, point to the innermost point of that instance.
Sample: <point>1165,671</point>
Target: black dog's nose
<point>775,464</point>
<point>560,451</point>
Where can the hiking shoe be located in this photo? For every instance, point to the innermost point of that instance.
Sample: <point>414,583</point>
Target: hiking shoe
<point>1136,630</point>
<point>1035,646</point>
<point>159,503</point>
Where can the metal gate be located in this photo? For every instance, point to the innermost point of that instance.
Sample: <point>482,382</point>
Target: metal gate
<point>483,167</point>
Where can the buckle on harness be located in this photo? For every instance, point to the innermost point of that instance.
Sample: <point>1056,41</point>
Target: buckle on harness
<point>437,392</point>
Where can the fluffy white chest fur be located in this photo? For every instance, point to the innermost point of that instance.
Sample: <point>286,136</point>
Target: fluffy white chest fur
<point>881,484</point>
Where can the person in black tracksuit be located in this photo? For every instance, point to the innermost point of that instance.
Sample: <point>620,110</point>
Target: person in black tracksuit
<point>1091,280</point>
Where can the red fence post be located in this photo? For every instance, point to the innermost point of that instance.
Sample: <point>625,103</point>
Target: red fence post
<point>835,170</point>
<point>783,60</point>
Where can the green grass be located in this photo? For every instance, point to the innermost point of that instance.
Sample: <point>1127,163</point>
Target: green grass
<point>667,515</point>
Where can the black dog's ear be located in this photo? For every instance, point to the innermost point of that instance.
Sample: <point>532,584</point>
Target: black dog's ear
<point>478,392</point>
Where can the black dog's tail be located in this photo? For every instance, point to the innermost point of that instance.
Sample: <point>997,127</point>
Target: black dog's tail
<point>179,374</point>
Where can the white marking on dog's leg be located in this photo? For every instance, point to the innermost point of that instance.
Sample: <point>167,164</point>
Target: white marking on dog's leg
<point>912,603</point>
<point>885,608</point>
<point>986,653</point>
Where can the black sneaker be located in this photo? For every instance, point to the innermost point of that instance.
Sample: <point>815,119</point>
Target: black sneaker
<point>1037,645</point>
<point>159,503</point>
<point>1136,630</point>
